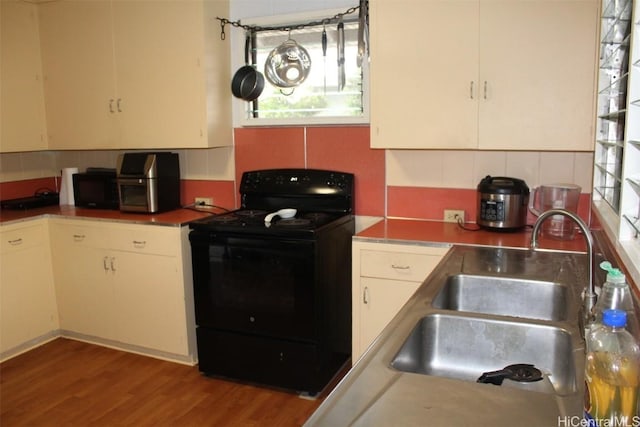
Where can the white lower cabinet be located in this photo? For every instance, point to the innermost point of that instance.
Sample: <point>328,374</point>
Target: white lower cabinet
<point>149,302</point>
<point>385,275</point>
<point>83,278</point>
<point>28,311</point>
<point>125,284</point>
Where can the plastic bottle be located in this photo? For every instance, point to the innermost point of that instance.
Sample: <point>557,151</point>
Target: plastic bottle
<point>612,373</point>
<point>616,294</point>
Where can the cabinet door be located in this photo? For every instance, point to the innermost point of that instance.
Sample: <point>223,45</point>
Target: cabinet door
<point>77,53</point>
<point>160,80</point>
<point>84,273</point>
<point>150,302</point>
<point>537,62</point>
<point>424,72</point>
<point>22,123</point>
<point>27,296</point>
<point>380,300</point>
<point>384,276</point>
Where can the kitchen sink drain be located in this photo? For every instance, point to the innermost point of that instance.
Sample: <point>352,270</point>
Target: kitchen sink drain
<point>521,372</point>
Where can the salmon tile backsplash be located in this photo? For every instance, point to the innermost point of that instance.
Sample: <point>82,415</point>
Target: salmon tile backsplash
<point>397,183</point>
<point>336,148</point>
<point>222,192</point>
<point>268,148</point>
<point>347,149</point>
<point>25,188</point>
<point>429,203</point>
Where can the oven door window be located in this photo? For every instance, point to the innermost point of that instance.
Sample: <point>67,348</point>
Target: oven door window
<point>133,194</point>
<point>256,285</point>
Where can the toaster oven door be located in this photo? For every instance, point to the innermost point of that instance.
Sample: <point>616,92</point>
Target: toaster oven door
<point>137,194</point>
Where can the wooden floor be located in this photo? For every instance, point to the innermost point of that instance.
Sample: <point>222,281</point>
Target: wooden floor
<point>71,383</point>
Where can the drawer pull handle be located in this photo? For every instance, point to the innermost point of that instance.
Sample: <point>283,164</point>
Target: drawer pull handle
<point>113,264</point>
<point>400,267</point>
<point>365,295</point>
<point>105,264</point>
<point>78,237</point>
<point>15,242</point>
<point>139,243</point>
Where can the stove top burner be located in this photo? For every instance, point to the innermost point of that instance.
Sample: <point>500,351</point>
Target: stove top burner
<point>316,216</point>
<point>250,213</point>
<point>222,219</point>
<point>252,220</point>
<point>293,222</point>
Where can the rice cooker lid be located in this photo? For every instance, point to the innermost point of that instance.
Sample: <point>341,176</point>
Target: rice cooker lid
<point>503,185</point>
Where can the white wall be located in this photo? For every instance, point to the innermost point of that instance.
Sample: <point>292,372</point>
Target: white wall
<point>465,169</point>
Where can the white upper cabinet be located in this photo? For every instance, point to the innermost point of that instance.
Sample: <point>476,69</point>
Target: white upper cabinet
<point>22,113</point>
<point>538,62</point>
<point>487,74</point>
<point>423,73</point>
<point>77,53</point>
<point>133,74</point>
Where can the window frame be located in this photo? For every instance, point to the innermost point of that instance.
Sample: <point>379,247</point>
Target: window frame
<point>237,60</point>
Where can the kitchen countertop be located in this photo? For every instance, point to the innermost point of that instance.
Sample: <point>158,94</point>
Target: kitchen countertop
<point>389,230</point>
<point>174,218</point>
<point>443,233</point>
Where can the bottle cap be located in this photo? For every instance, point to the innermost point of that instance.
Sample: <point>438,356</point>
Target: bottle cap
<point>614,275</point>
<point>615,318</point>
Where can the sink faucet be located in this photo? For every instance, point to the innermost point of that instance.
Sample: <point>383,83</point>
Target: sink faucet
<point>590,292</point>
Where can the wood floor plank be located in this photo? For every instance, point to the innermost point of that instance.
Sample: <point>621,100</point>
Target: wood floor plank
<point>72,383</point>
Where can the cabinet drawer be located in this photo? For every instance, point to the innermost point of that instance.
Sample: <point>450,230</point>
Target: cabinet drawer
<point>150,239</point>
<point>79,233</point>
<point>397,265</point>
<point>22,238</point>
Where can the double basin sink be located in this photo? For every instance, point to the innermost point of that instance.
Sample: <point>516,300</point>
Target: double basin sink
<point>464,347</point>
<point>481,310</point>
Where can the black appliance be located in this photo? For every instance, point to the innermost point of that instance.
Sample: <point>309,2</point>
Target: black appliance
<point>273,300</point>
<point>38,200</point>
<point>149,182</point>
<point>96,188</point>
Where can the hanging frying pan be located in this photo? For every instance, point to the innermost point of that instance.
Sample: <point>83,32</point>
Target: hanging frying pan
<point>247,82</point>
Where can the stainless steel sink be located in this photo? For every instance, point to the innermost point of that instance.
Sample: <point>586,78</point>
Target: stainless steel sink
<point>480,310</point>
<point>465,347</point>
<point>504,296</point>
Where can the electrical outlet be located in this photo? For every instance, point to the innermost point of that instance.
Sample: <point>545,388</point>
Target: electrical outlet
<point>204,201</point>
<point>452,215</point>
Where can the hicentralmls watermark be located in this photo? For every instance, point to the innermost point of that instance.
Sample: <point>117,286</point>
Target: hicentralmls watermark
<point>576,421</point>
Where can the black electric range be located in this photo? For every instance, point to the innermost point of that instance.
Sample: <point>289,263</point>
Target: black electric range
<point>273,298</point>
